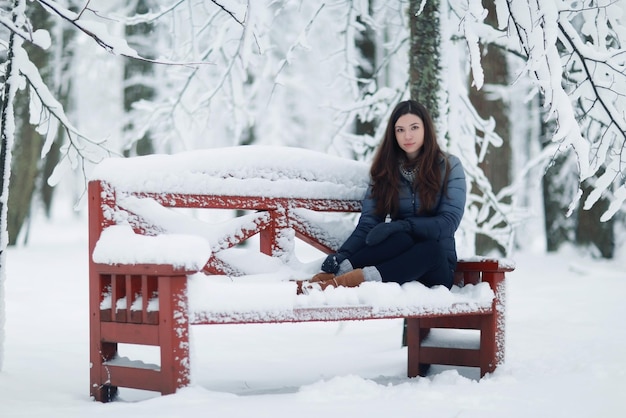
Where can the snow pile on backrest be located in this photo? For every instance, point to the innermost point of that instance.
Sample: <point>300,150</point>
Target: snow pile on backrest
<point>272,171</point>
<point>119,244</point>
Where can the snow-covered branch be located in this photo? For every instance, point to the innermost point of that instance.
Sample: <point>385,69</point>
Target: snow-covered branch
<point>100,34</point>
<point>575,55</point>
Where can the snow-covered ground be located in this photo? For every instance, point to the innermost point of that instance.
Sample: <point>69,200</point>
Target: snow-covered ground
<point>565,351</point>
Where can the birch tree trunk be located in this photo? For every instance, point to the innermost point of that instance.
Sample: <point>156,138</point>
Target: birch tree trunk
<point>424,55</point>
<point>7,129</point>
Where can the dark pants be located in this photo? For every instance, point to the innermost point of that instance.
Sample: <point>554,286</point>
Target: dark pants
<point>401,259</point>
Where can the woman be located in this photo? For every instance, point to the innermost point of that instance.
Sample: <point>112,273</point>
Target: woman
<point>412,208</point>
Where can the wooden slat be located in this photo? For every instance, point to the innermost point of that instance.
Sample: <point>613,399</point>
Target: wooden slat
<point>106,315</point>
<point>139,269</point>
<point>250,202</point>
<point>129,333</point>
<point>337,313</point>
<point>132,377</point>
<point>471,277</point>
<point>482,265</point>
<point>457,322</point>
<point>133,287</point>
<point>145,298</point>
<point>450,356</point>
<point>118,291</point>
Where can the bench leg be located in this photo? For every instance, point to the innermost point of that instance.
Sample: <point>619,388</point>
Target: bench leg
<point>492,329</point>
<point>173,333</point>
<point>101,352</point>
<point>414,337</point>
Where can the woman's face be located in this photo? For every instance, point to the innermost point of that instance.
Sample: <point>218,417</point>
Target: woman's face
<point>410,134</point>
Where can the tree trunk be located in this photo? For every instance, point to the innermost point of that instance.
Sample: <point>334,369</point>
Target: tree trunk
<point>497,164</point>
<point>26,167</point>
<point>590,231</point>
<point>63,87</point>
<point>366,46</point>
<point>424,56</point>
<point>559,182</point>
<point>6,144</point>
<point>140,37</point>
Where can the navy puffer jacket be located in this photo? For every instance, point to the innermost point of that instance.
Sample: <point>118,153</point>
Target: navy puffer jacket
<point>439,226</point>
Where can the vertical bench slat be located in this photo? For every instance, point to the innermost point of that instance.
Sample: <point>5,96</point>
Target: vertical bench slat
<point>145,298</point>
<point>458,277</point>
<point>147,290</point>
<point>173,333</point>
<point>128,290</point>
<point>471,277</point>
<point>152,317</point>
<point>135,315</point>
<point>118,290</point>
<point>104,284</point>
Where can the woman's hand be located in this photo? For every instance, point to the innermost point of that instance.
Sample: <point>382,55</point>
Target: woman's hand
<point>331,264</point>
<point>384,229</point>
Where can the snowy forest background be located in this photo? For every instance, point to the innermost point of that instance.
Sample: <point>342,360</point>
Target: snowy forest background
<point>529,94</point>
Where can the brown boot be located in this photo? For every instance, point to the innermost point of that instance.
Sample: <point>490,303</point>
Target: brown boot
<point>303,286</point>
<point>322,277</point>
<point>350,279</point>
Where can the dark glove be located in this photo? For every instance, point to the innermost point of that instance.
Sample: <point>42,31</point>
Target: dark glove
<point>331,264</point>
<point>384,229</point>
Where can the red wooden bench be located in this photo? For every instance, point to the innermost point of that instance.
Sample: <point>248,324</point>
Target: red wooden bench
<point>145,301</point>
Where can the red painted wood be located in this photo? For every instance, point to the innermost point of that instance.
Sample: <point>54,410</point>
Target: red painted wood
<point>129,333</point>
<point>132,377</point>
<point>492,337</point>
<point>451,356</point>
<point>98,352</point>
<point>414,342</point>
<point>473,321</point>
<point>173,333</point>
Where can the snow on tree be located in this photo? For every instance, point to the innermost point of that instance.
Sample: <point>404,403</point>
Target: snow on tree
<point>574,53</point>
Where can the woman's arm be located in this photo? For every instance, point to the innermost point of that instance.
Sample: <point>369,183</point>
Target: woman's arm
<point>367,221</point>
<point>446,220</point>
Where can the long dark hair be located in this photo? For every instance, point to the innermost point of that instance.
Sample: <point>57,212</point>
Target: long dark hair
<point>385,172</point>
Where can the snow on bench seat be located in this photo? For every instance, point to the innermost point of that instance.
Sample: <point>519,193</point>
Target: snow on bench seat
<point>248,300</point>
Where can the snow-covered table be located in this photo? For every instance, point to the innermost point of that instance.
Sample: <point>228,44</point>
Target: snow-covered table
<point>164,256</point>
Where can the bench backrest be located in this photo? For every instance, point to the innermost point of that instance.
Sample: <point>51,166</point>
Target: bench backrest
<point>275,220</point>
